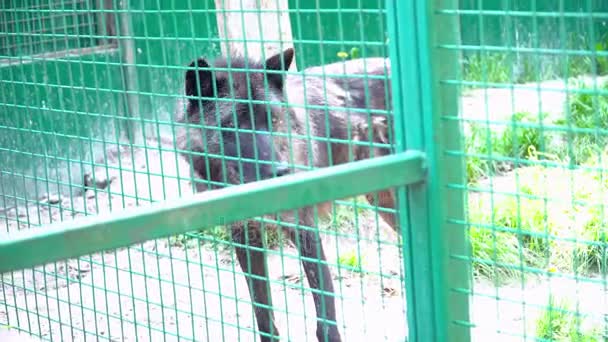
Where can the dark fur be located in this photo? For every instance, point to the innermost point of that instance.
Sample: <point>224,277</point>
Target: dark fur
<point>344,85</point>
<point>305,152</point>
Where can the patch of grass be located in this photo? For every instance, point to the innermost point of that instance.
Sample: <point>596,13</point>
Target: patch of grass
<point>511,232</point>
<point>215,237</point>
<point>523,133</point>
<point>590,254</point>
<point>491,152</point>
<point>476,148</point>
<point>188,240</point>
<point>602,61</point>
<point>559,322</point>
<point>528,216</point>
<point>274,237</point>
<point>490,68</point>
<point>555,221</point>
<point>343,220</point>
<point>343,217</point>
<point>514,67</point>
<point>219,237</point>
<point>588,110</point>
<point>534,226</point>
<point>495,254</point>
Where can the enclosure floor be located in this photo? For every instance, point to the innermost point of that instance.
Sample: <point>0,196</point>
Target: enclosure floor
<point>167,282</point>
<point>176,290</point>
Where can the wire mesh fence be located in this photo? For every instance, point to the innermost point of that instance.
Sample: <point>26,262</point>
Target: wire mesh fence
<point>533,108</point>
<point>93,132</point>
<point>108,107</point>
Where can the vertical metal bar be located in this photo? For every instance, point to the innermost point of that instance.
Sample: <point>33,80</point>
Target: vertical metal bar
<point>129,73</point>
<point>437,282</point>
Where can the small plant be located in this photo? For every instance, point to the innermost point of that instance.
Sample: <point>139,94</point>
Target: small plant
<point>344,216</point>
<point>187,240</point>
<point>215,236</point>
<point>602,61</point>
<point>559,322</point>
<point>351,261</point>
<point>273,236</point>
<point>353,54</point>
<point>220,235</point>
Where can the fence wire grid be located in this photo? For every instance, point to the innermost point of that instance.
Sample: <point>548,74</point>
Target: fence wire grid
<point>533,110</point>
<point>510,95</point>
<point>90,95</point>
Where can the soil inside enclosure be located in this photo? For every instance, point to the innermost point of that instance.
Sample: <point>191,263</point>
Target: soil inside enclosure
<point>180,286</point>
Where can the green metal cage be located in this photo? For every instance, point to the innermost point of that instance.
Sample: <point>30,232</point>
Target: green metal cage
<point>493,112</point>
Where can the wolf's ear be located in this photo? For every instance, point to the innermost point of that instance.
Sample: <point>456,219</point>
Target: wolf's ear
<point>276,63</point>
<point>201,85</point>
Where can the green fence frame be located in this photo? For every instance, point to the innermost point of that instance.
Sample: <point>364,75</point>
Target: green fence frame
<point>103,232</point>
<point>437,280</point>
<point>437,306</point>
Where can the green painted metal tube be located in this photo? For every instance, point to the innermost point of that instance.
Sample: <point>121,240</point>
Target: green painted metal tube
<point>91,234</point>
<point>436,309</point>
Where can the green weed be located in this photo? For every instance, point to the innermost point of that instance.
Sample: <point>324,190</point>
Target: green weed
<point>351,261</point>
<point>219,237</point>
<point>216,236</point>
<point>559,322</point>
<point>188,240</point>
<point>344,217</point>
<point>274,237</point>
<point>602,61</point>
<point>352,54</point>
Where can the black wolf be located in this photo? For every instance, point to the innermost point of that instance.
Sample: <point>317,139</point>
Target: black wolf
<point>232,95</point>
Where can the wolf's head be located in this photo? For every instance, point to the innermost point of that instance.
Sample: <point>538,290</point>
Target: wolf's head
<point>230,107</point>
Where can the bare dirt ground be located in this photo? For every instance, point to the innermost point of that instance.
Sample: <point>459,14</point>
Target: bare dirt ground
<point>160,290</point>
<point>139,292</point>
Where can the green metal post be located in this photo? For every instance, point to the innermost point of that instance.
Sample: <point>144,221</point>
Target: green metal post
<point>129,74</point>
<point>92,234</point>
<point>437,282</point>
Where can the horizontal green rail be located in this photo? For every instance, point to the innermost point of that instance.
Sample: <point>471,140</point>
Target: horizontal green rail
<point>28,248</point>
